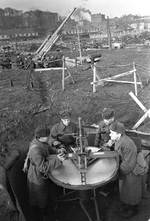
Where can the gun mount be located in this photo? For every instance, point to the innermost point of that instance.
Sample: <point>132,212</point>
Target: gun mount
<point>82,156</point>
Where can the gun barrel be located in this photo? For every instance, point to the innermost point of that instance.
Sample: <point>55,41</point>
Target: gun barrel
<point>49,41</point>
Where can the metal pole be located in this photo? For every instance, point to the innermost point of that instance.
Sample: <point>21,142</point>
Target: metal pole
<point>96,206</point>
<point>80,135</point>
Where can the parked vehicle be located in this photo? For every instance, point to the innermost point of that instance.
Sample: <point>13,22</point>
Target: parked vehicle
<point>104,46</point>
<point>117,45</point>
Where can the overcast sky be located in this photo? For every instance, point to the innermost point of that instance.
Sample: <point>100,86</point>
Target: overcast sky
<point>110,8</point>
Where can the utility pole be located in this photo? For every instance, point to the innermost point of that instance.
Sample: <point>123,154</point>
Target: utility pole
<point>109,34</point>
<point>79,44</point>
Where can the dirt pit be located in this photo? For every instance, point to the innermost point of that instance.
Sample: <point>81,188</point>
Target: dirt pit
<point>22,110</point>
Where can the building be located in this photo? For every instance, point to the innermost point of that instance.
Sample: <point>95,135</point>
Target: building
<point>81,29</point>
<point>10,34</point>
<point>141,25</point>
<point>97,19</point>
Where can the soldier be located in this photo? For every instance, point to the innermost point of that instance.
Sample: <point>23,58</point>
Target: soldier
<point>66,126</point>
<point>102,138</point>
<point>130,185</point>
<point>41,161</point>
<point>30,66</point>
<point>19,61</point>
<point>59,55</point>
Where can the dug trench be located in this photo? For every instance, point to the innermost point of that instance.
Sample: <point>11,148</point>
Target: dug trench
<point>23,110</point>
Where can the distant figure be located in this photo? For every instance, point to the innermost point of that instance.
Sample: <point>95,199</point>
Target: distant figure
<point>41,161</point>
<point>130,185</point>
<point>102,138</point>
<point>59,55</point>
<point>30,66</point>
<point>19,61</point>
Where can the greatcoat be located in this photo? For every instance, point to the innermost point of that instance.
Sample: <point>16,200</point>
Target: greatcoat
<point>130,185</point>
<point>40,163</point>
<point>102,135</point>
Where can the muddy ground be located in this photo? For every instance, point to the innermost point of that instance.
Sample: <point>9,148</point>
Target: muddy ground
<point>22,110</point>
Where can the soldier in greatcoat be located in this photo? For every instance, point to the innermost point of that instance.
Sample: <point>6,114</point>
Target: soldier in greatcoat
<point>130,185</point>
<point>41,161</point>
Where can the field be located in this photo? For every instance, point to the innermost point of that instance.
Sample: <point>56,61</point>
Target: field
<point>22,110</point>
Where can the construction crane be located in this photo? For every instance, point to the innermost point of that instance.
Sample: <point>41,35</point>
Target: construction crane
<point>50,40</point>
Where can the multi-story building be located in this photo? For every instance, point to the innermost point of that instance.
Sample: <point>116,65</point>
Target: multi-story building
<point>97,19</point>
<point>141,25</point>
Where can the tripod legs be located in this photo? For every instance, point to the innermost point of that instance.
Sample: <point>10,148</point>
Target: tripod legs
<point>82,197</point>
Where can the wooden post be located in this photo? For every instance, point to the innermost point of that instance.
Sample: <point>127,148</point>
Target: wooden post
<point>11,83</point>
<point>79,45</point>
<point>69,74</point>
<point>138,102</point>
<point>138,76</point>
<point>135,79</point>
<point>109,34</point>
<point>63,74</point>
<point>147,114</point>
<point>94,77</point>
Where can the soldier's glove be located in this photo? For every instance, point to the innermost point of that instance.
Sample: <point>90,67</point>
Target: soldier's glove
<point>61,156</point>
<point>56,143</point>
<point>105,148</point>
<point>62,151</point>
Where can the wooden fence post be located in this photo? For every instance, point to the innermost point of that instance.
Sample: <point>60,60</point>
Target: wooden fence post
<point>135,79</point>
<point>94,77</point>
<point>147,112</point>
<point>63,73</point>
<point>138,102</point>
<point>11,83</point>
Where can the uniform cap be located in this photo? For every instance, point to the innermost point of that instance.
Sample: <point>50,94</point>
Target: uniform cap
<point>118,127</point>
<point>42,132</point>
<point>108,113</point>
<point>65,113</point>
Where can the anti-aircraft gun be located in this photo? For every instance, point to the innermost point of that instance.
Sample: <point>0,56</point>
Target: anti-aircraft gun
<point>82,156</point>
<point>50,40</point>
